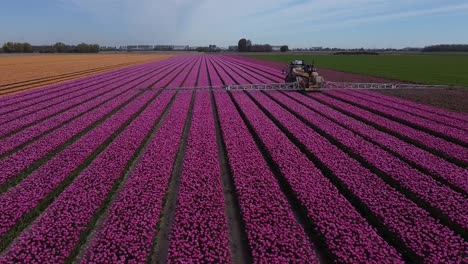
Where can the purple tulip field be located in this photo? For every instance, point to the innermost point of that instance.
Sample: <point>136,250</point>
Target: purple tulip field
<point>124,167</point>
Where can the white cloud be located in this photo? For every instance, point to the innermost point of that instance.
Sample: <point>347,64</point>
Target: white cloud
<point>224,22</point>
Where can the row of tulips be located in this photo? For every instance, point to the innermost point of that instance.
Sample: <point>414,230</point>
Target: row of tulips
<point>192,77</point>
<point>59,105</point>
<point>130,226</point>
<point>214,78</point>
<point>422,139</point>
<point>419,232</point>
<point>411,180</point>
<point>272,75</point>
<point>19,200</point>
<point>20,100</point>
<point>25,117</point>
<point>254,64</point>
<point>53,236</point>
<point>431,127</point>
<point>203,78</point>
<point>77,114</point>
<point>435,165</point>
<point>347,235</point>
<point>29,134</point>
<point>22,159</point>
<point>454,209</point>
<point>259,76</point>
<point>422,115</point>
<point>200,232</point>
<point>414,105</point>
<point>68,95</point>
<point>176,75</point>
<point>271,240</point>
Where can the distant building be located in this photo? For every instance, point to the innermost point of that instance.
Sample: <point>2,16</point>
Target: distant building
<point>276,48</point>
<point>140,47</point>
<point>163,47</point>
<point>180,47</point>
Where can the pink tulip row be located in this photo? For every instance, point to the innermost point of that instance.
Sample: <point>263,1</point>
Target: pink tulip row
<point>58,105</point>
<point>435,165</point>
<point>433,128</point>
<point>68,94</point>
<point>20,100</point>
<point>271,240</point>
<point>193,76</point>
<point>258,75</point>
<point>20,160</point>
<point>419,232</point>
<point>449,149</point>
<point>175,77</point>
<point>184,75</point>
<point>238,76</point>
<point>235,76</point>
<point>13,142</point>
<point>347,235</point>
<point>130,226</point>
<point>270,74</point>
<point>191,72</point>
<point>117,93</point>
<point>24,158</point>
<point>424,187</point>
<point>53,236</point>
<point>221,73</point>
<point>191,80</point>
<point>419,106</point>
<point>25,196</point>
<point>199,232</point>
<point>214,78</point>
<point>420,114</point>
<point>271,67</point>
<point>203,78</point>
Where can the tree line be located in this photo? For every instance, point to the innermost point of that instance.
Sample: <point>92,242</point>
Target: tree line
<point>446,48</point>
<point>245,45</point>
<point>59,47</point>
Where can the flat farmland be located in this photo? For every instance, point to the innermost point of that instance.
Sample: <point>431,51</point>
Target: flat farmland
<point>128,167</point>
<point>24,72</point>
<point>447,69</point>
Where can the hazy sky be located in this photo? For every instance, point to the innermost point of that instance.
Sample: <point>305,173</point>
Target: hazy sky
<point>298,23</point>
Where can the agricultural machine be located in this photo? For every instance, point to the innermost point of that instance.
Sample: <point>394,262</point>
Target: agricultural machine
<point>304,75</point>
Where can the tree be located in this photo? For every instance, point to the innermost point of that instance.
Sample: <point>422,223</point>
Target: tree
<point>249,45</point>
<point>17,47</point>
<point>9,47</point>
<point>284,48</point>
<point>242,45</point>
<point>446,48</point>
<point>87,48</point>
<point>27,48</point>
<point>82,48</point>
<point>60,47</point>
